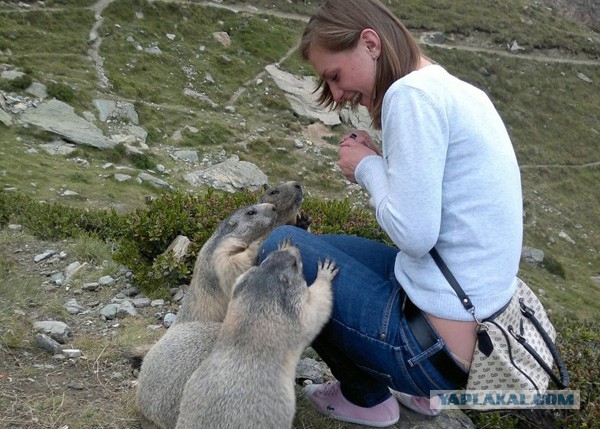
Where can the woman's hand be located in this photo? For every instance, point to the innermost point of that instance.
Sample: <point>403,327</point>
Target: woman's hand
<point>353,148</point>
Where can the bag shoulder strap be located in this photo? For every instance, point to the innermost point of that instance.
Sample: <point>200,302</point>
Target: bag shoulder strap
<point>464,299</point>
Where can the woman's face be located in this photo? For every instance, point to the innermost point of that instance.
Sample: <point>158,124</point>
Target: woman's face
<point>349,74</point>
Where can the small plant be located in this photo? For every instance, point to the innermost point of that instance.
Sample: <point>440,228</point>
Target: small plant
<point>18,84</point>
<point>61,91</point>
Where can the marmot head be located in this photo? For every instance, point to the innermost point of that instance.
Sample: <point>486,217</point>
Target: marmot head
<point>249,223</point>
<point>287,199</point>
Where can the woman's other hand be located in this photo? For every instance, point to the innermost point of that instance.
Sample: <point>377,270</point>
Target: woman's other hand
<point>353,148</point>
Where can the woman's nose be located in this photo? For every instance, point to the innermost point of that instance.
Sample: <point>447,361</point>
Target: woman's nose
<point>336,93</point>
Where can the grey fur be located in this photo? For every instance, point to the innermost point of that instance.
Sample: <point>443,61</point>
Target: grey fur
<point>247,380</point>
<point>167,367</point>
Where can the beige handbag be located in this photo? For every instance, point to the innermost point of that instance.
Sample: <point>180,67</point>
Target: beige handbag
<point>515,348</point>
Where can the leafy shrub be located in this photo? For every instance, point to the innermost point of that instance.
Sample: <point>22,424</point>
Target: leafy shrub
<point>54,221</point>
<point>61,91</point>
<point>151,230</point>
<point>18,84</point>
<point>553,266</point>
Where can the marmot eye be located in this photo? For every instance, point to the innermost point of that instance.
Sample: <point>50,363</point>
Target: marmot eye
<point>274,192</point>
<point>251,212</point>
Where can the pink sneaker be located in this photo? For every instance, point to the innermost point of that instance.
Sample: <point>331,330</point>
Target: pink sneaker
<point>420,404</point>
<point>328,400</point>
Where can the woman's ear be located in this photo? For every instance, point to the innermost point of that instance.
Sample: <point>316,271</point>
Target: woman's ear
<point>371,40</point>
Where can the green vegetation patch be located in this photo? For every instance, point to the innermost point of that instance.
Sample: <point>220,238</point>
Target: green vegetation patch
<point>191,57</point>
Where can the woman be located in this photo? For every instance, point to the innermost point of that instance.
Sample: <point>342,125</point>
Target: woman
<point>447,177</point>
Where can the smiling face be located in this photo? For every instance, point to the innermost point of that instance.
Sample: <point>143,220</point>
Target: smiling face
<point>349,74</point>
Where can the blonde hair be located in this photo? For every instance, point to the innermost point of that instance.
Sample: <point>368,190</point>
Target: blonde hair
<point>336,26</point>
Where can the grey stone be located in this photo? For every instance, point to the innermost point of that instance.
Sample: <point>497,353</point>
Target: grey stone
<point>90,287</point>
<point>58,331</point>
<point>60,118</point>
<point>45,342</point>
<point>106,281</point>
<point>155,181</point>
<point>231,176</point>
<point>38,90</point>
<point>109,312</point>
<point>73,307</point>
<point>125,309</point>
<point>45,255</point>
<point>531,255</point>
<point>168,319</point>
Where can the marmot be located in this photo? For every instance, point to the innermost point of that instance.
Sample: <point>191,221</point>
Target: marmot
<point>232,250</point>
<point>229,252</point>
<point>247,380</point>
<point>167,367</point>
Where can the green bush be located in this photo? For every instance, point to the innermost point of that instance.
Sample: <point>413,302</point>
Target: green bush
<point>151,230</point>
<point>17,84</point>
<point>51,221</point>
<point>60,91</point>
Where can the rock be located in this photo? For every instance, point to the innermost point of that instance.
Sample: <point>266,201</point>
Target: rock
<point>109,312</point>
<point>309,369</point>
<point>125,309</point>
<point>57,278</point>
<point>44,255</point>
<point>300,95</point>
<point>159,183</point>
<point>141,302</point>
<point>223,38</point>
<point>190,156</point>
<point>58,147</point>
<point>72,269</point>
<point>45,342</point>
<point>60,118</point>
<point>73,307</point>
<point>179,247</point>
<point>38,90</point>
<point>5,118</point>
<point>71,353</point>
<point>130,291</point>
<point>58,331</point>
<point>231,176</point>
<point>566,237</point>
<point>116,109</point>
<point>531,255</point>
<point>106,281</point>
<point>90,287</point>
<point>121,177</point>
<point>168,319</point>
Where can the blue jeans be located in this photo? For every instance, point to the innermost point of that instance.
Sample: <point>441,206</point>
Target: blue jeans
<point>367,343</point>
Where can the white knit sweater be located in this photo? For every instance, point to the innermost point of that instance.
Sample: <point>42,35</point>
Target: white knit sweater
<point>448,178</point>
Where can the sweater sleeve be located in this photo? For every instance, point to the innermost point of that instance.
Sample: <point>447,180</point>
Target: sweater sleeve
<point>406,184</point>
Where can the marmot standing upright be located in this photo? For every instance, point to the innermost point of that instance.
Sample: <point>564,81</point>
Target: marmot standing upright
<point>167,365</point>
<point>232,250</point>
<point>247,380</point>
